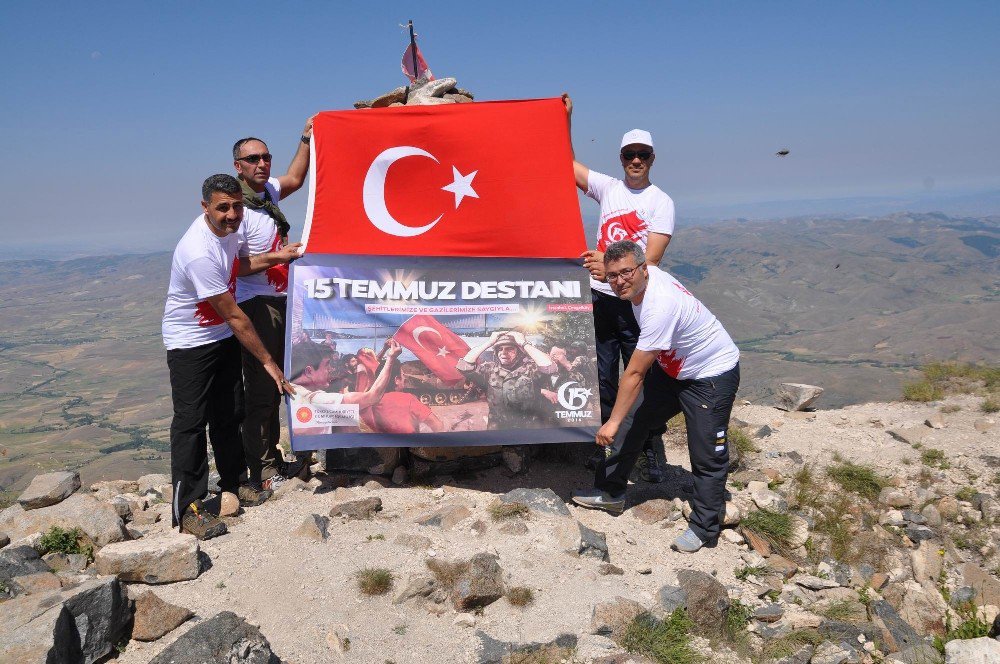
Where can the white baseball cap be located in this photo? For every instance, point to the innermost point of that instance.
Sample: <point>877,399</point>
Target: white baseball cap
<point>638,137</point>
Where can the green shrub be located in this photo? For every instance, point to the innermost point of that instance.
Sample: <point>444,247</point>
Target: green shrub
<point>859,479</point>
<point>61,540</point>
<point>923,390</point>
<point>741,441</point>
<point>667,641</point>
<point>743,573</point>
<point>934,458</point>
<point>966,493</point>
<point>990,405</point>
<point>972,627</point>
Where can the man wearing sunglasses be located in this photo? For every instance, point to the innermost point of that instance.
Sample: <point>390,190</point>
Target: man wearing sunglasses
<point>631,209</point>
<point>262,298</point>
<point>684,362</point>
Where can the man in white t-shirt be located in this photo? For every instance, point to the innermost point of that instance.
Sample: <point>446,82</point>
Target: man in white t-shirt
<point>262,298</point>
<point>684,362</point>
<point>200,319</point>
<point>634,209</point>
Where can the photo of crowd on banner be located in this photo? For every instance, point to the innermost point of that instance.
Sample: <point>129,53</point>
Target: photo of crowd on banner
<point>442,374</point>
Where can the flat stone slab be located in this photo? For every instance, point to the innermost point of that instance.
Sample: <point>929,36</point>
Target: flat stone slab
<point>223,638</point>
<point>49,489</point>
<point>164,559</point>
<point>542,501</point>
<point>97,520</point>
<point>155,617</point>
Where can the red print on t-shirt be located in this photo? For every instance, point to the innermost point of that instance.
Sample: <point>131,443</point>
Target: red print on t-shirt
<point>626,226</point>
<point>670,362</point>
<point>205,313</point>
<point>277,275</point>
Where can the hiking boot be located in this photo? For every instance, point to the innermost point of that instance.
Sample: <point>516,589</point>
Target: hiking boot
<point>649,467</point>
<point>273,482</point>
<point>299,469</point>
<point>252,494</point>
<point>202,524</point>
<point>599,500</point>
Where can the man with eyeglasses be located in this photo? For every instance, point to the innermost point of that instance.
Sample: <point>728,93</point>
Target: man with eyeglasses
<point>684,362</point>
<point>262,298</point>
<point>203,330</point>
<point>631,209</point>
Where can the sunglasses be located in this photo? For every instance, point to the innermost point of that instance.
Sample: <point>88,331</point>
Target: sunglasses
<point>625,275</point>
<point>256,158</point>
<point>629,155</point>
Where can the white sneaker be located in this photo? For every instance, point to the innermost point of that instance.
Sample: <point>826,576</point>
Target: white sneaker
<point>599,500</point>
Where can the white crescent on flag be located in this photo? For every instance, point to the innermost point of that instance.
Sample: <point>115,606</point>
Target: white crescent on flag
<point>373,191</point>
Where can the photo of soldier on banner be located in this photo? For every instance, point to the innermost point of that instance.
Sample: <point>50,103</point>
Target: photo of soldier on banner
<point>456,351</point>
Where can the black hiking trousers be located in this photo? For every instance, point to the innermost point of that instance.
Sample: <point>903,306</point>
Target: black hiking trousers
<point>262,425</point>
<point>616,332</point>
<point>206,385</point>
<point>707,404</point>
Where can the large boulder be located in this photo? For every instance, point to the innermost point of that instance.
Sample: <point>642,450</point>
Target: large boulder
<point>49,489</point>
<point>225,638</point>
<point>99,521</point>
<point>164,559</point>
<point>79,624</point>
<point>796,396</point>
<point>707,599</point>
<point>155,617</point>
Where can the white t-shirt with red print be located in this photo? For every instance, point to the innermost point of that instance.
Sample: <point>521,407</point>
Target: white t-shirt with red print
<point>689,341</point>
<point>628,214</point>
<point>259,235</point>
<point>204,265</point>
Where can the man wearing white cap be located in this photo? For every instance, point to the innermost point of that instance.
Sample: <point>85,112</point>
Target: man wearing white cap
<point>631,209</point>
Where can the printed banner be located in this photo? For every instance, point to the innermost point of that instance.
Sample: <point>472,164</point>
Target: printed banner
<point>438,351</point>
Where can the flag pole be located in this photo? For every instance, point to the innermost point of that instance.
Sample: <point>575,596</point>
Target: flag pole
<point>413,52</point>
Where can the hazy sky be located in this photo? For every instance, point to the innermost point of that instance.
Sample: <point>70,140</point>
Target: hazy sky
<point>113,113</point>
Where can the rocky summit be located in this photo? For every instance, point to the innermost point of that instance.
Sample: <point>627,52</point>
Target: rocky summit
<point>845,541</point>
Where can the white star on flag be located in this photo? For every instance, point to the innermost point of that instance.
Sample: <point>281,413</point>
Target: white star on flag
<point>442,352</point>
<point>462,186</point>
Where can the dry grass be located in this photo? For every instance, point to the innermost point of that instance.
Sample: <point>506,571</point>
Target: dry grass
<point>501,511</point>
<point>447,572</point>
<point>774,527</point>
<point>374,580</point>
<point>520,596</point>
<point>941,378</point>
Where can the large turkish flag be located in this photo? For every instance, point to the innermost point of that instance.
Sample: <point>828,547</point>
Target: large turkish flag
<point>435,345</point>
<point>479,179</point>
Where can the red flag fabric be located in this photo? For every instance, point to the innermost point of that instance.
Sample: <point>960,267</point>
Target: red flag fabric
<point>475,179</point>
<point>435,345</point>
<point>422,67</point>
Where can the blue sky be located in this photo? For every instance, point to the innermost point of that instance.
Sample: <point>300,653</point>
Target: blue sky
<point>113,113</point>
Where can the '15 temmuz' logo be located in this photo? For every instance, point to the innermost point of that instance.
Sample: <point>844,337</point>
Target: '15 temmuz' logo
<point>573,399</point>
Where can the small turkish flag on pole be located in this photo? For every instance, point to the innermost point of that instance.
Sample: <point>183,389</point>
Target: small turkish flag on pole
<point>413,63</point>
<point>435,345</point>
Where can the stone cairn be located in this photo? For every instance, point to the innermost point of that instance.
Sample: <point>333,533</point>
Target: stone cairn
<point>421,93</point>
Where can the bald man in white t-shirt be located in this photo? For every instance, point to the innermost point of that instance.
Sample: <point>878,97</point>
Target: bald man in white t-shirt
<point>632,208</point>
<point>684,362</point>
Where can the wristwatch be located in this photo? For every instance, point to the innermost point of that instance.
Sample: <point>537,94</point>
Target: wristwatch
<point>305,139</point>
